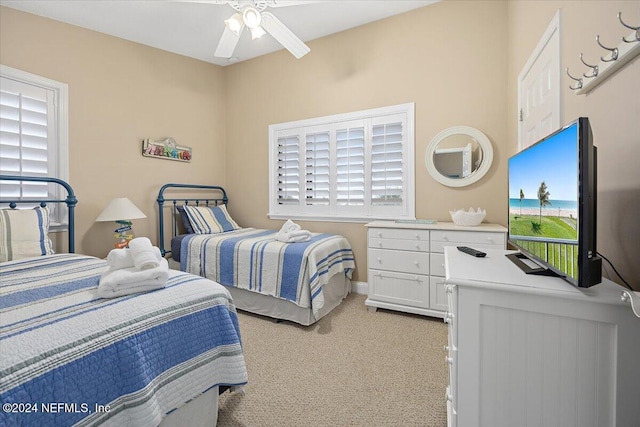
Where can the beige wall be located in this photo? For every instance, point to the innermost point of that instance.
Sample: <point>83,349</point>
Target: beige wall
<point>120,93</point>
<point>449,58</point>
<point>613,109</point>
<point>458,61</point>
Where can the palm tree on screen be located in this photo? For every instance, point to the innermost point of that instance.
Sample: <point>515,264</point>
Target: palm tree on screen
<point>521,197</point>
<point>543,196</point>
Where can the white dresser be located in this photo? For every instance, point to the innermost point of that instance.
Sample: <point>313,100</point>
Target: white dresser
<point>530,350</point>
<point>406,262</point>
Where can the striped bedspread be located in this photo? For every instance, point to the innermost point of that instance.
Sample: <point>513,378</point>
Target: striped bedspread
<point>252,259</point>
<point>71,358</point>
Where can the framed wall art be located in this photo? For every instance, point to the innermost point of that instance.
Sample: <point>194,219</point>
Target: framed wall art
<point>166,148</point>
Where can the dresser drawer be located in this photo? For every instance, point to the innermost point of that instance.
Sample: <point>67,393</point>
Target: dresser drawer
<point>402,261</point>
<point>480,239</point>
<point>398,233</point>
<point>399,244</point>
<point>399,288</point>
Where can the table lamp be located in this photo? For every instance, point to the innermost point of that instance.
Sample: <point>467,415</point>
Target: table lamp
<point>122,211</point>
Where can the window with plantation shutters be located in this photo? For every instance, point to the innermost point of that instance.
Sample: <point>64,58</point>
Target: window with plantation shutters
<point>356,166</point>
<point>33,139</point>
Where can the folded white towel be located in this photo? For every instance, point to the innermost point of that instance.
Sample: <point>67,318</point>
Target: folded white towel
<point>289,226</point>
<point>144,254</point>
<point>294,236</point>
<point>119,258</point>
<point>125,281</point>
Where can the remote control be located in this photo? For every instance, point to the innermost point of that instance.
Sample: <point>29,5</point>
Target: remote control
<point>471,251</point>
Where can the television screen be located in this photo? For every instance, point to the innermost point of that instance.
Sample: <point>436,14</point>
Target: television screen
<point>552,203</point>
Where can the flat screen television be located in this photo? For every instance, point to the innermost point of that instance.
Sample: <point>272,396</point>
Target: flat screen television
<point>552,206</point>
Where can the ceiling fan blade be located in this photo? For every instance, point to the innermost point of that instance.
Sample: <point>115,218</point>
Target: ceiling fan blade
<point>287,3</point>
<point>228,43</point>
<point>284,35</point>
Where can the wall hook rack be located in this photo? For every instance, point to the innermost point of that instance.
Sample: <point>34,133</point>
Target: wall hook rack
<point>616,58</point>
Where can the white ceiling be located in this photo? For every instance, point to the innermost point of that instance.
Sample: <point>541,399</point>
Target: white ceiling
<point>193,27</point>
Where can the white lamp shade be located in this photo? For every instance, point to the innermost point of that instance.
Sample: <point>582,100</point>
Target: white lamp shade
<point>251,17</point>
<point>120,209</point>
<point>235,23</point>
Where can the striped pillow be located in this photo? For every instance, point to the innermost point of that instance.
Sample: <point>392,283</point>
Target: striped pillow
<point>210,219</point>
<point>24,233</point>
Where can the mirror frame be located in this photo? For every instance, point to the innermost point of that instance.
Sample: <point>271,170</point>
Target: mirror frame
<point>487,156</point>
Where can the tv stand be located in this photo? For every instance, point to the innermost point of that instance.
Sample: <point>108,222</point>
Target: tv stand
<point>535,350</point>
<point>525,264</point>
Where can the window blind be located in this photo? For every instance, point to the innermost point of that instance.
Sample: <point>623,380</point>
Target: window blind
<point>350,179</point>
<point>386,164</point>
<point>317,170</point>
<point>26,133</point>
<point>288,170</point>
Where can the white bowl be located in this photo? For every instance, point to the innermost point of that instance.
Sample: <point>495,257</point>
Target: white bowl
<point>470,218</point>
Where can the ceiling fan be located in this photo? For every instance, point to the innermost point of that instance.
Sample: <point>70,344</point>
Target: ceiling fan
<point>252,14</point>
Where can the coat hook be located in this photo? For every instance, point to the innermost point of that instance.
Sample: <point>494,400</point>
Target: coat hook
<point>579,85</point>
<point>637,30</point>
<point>594,68</point>
<point>614,51</point>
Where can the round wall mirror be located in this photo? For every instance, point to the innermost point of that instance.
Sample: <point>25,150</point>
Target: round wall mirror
<point>459,156</point>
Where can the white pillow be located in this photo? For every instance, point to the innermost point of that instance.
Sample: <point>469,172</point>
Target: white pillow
<point>210,219</point>
<point>24,233</point>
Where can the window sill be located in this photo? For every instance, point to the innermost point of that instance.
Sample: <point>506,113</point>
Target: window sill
<point>335,218</point>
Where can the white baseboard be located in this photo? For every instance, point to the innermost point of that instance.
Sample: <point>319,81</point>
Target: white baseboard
<point>360,288</point>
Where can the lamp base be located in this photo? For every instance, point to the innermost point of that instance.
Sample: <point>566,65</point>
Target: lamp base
<point>123,233</point>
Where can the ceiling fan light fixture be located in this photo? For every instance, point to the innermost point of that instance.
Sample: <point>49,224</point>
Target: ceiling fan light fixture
<point>234,23</point>
<point>257,32</point>
<point>251,17</point>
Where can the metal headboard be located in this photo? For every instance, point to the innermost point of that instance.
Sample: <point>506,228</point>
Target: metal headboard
<point>219,196</point>
<point>70,201</point>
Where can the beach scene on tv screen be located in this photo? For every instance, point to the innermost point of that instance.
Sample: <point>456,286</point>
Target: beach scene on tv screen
<point>543,199</point>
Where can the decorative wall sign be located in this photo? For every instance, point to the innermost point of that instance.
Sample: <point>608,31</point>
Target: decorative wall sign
<point>166,149</point>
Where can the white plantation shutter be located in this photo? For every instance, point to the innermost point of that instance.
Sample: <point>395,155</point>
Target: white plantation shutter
<point>350,158</point>
<point>25,134</point>
<point>387,164</point>
<point>289,170</point>
<point>33,138</point>
<point>317,169</point>
<point>357,166</point>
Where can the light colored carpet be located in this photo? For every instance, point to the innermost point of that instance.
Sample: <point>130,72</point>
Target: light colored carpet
<point>352,368</point>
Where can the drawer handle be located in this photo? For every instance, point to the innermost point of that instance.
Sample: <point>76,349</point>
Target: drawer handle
<point>379,260</point>
<point>449,397</point>
<point>417,264</point>
<point>417,246</point>
<point>449,360</point>
<point>379,233</point>
<point>448,317</point>
<point>417,236</point>
<point>380,244</point>
<point>446,348</point>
